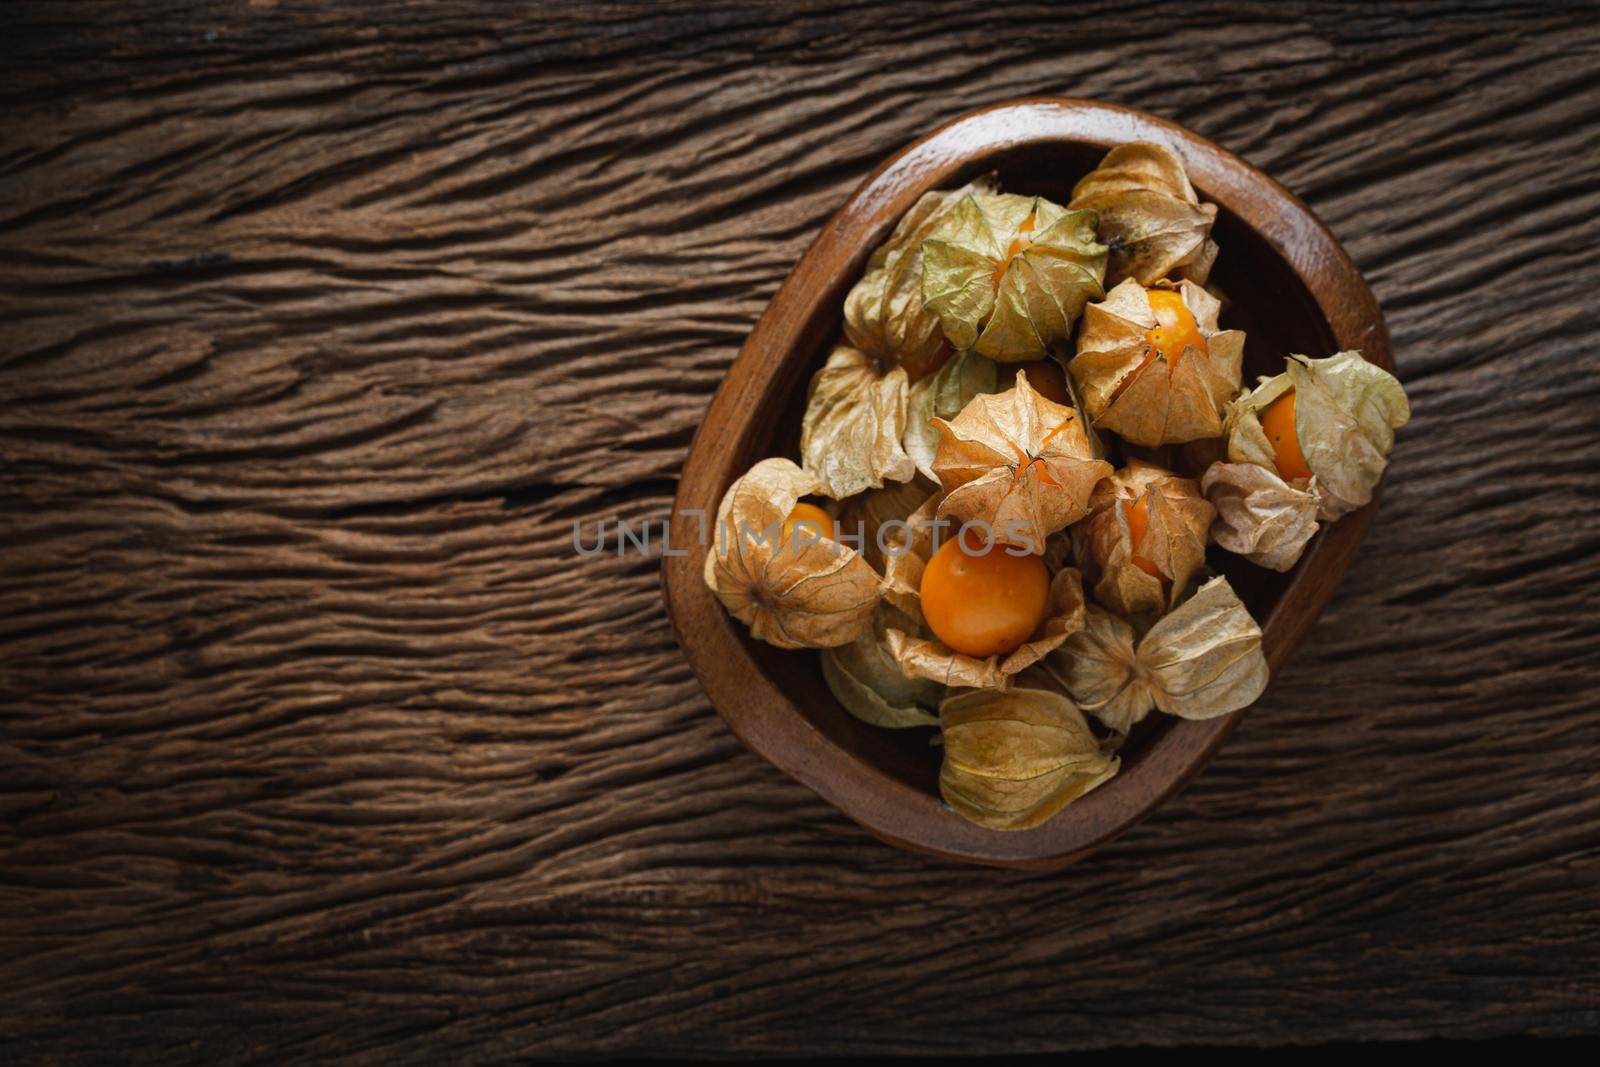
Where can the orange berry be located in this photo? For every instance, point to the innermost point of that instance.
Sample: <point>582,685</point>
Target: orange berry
<point>983,603</point>
<point>1019,244</point>
<point>1138,514</point>
<point>1174,331</point>
<point>817,523</point>
<point>1277,422</point>
<point>1175,328</point>
<point>1022,240</point>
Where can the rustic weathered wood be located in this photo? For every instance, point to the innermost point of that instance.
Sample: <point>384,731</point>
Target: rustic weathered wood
<point>1294,290</point>
<point>322,324</point>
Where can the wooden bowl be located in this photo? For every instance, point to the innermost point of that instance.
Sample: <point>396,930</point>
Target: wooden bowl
<point>1294,290</point>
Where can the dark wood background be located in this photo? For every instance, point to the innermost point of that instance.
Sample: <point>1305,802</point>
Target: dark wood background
<point>324,323</point>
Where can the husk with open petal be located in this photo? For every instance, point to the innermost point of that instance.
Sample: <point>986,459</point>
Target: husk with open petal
<point>1014,758</point>
<point>870,685</point>
<point>855,417</point>
<point>1150,217</point>
<point>1005,291</point>
<point>1160,401</point>
<point>1201,660</point>
<point>1018,462</point>
<point>796,592</point>
<point>1346,413</point>
<point>1174,542</point>
<point>942,396</point>
<point>884,314</point>
<point>920,654</point>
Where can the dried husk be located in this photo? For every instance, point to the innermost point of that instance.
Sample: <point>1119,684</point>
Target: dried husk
<point>855,417</point>
<point>942,396</point>
<point>1004,298</point>
<point>1259,515</point>
<point>1150,217</point>
<point>1007,379</point>
<point>1014,758</point>
<point>1346,413</point>
<point>884,314</point>
<point>1058,550</point>
<point>861,517</point>
<point>910,545</point>
<point>919,654</point>
<point>1018,462</point>
<point>1162,402</point>
<point>799,592</point>
<point>928,657</point>
<point>1202,660</point>
<point>1179,519</point>
<point>1097,443</point>
<point>868,683</point>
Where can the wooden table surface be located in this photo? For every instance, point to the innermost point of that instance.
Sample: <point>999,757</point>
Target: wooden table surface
<point>324,323</point>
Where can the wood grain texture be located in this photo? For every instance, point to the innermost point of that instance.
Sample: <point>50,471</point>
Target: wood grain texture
<point>320,327</point>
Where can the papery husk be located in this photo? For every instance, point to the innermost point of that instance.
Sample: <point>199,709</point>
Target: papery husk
<point>1159,403</point>
<point>1179,519</point>
<point>870,686</point>
<point>1259,515</point>
<point>1017,462</point>
<point>1014,758</point>
<point>1150,217</point>
<point>1097,442</point>
<point>1041,290</point>
<point>799,592</point>
<point>855,417</point>
<point>928,657</point>
<point>1058,550</point>
<point>1346,412</point>
<point>884,313</point>
<point>863,516</point>
<point>1007,379</point>
<point>922,655</point>
<point>1202,660</point>
<point>942,396</point>
<point>910,545</point>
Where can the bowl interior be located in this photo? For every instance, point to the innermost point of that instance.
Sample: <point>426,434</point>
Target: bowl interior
<point>1274,308</point>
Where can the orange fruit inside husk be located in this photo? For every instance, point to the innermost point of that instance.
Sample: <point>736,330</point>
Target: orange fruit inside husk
<point>1277,422</point>
<point>818,524</point>
<point>984,601</point>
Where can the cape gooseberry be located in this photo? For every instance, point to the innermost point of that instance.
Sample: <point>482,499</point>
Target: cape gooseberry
<point>817,523</point>
<point>1138,514</point>
<point>1175,328</point>
<point>1277,422</point>
<point>982,600</point>
<point>1019,245</point>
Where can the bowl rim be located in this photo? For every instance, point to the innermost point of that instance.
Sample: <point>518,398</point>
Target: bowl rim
<point>761,715</point>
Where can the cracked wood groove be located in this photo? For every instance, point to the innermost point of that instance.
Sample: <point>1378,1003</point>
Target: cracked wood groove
<point>317,335</point>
